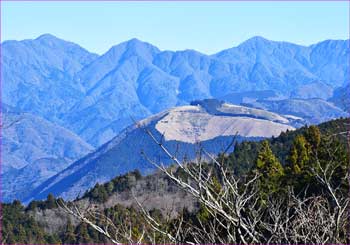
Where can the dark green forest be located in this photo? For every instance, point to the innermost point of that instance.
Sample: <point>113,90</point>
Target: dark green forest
<point>292,160</point>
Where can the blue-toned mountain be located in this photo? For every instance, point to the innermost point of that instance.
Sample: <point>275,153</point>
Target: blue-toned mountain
<point>34,149</point>
<point>97,96</point>
<point>210,123</point>
<point>66,88</point>
<point>135,79</point>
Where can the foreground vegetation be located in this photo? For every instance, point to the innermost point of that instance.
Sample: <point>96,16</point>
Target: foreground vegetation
<point>289,189</point>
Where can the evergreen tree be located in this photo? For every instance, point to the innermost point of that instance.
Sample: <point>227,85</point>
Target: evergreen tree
<point>17,205</point>
<point>271,170</point>
<point>313,136</point>
<point>299,155</point>
<point>299,165</point>
<point>51,201</point>
<point>32,205</point>
<point>110,187</point>
<point>94,192</point>
<point>267,163</point>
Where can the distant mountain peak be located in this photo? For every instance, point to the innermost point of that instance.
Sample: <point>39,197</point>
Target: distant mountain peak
<point>42,39</point>
<point>256,40</point>
<point>135,40</point>
<point>133,47</point>
<point>261,42</point>
<point>49,39</point>
<point>135,43</point>
<point>46,36</point>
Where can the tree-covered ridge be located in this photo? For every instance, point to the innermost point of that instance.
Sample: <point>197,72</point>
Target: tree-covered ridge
<point>19,227</point>
<point>245,153</point>
<point>242,159</point>
<point>294,160</point>
<point>121,183</point>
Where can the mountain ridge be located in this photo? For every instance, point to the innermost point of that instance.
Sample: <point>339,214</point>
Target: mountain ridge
<point>97,96</point>
<point>211,123</point>
<point>136,77</point>
<point>34,149</point>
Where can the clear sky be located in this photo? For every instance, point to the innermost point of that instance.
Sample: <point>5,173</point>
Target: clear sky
<point>205,26</point>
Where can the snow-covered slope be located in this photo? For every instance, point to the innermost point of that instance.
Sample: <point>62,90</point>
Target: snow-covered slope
<point>210,122</point>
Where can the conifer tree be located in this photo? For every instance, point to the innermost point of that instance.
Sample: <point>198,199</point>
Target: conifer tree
<point>299,155</point>
<point>313,136</point>
<point>299,164</point>
<point>51,201</point>
<point>271,170</point>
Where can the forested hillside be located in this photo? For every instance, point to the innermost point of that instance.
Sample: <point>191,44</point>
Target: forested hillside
<point>288,189</point>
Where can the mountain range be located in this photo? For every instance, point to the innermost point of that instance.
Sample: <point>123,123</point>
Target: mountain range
<point>210,123</point>
<point>72,102</point>
<point>96,96</point>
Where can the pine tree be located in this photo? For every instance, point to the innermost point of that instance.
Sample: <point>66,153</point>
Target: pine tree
<point>271,170</point>
<point>299,163</point>
<point>313,136</point>
<point>267,163</point>
<point>299,155</point>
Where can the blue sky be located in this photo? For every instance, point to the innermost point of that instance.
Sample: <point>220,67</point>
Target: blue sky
<point>205,26</point>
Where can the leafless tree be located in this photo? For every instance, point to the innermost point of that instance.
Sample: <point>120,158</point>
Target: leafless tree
<point>235,211</point>
<point>103,224</point>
